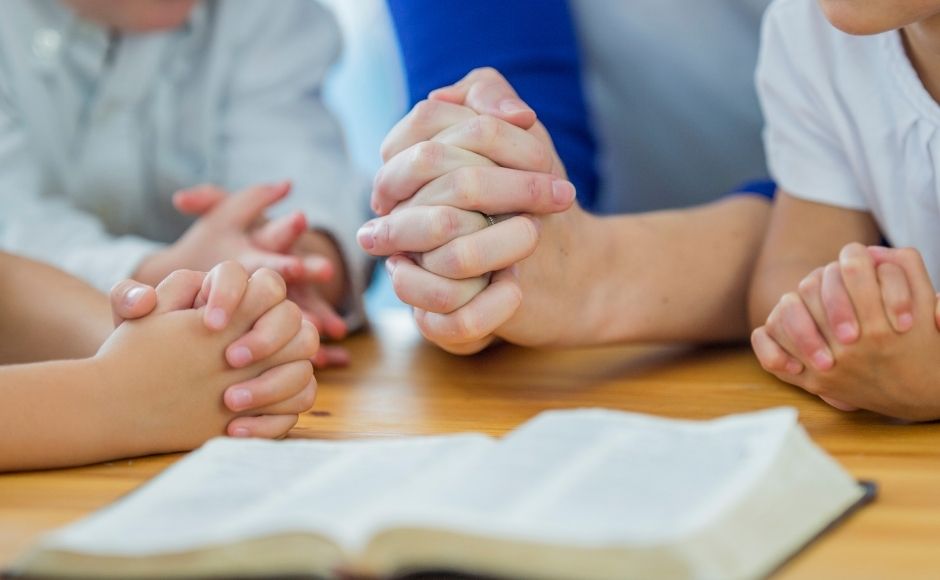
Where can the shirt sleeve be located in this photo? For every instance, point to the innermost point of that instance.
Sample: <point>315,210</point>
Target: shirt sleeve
<point>804,152</point>
<point>531,42</point>
<point>49,228</point>
<point>276,126</point>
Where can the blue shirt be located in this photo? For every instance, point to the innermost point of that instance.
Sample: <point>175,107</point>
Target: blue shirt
<point>680,123</point>
<point>539,56</point>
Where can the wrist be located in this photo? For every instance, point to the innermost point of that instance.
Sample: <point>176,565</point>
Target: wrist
<point>115,405</point>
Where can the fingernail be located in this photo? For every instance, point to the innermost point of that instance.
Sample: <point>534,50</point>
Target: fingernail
<point>794,368</point>
<point>822,360</point>
<point>240,432</point>
<point>216,319</point>
<point>562,191</point>
<point>240,356</point>
<point>366,236</point>
<point>240,399</point>
<point>846,333</point>
<point>905,322</point>
<point>510,106</point>
<point>133,296</point>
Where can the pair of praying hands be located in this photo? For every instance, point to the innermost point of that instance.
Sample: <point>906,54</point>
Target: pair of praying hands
<point>470,184</point>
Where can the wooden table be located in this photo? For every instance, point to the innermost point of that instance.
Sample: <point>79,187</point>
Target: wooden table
<point>400,385</point>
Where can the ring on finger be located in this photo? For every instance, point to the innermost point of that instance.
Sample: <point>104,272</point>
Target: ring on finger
<point>490,220</point>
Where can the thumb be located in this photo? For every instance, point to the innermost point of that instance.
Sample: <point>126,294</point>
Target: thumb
<point>488,92</point>
<point>131,300</point>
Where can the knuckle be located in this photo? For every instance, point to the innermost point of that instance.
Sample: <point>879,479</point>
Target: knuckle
<point>292,314</point>
<point>289,425</point>
<point>263,344</point>
<point>852,266</point>
<point>541,157</point>
<point>466,185</point>
<point>308,397</point>
<point>466,326</point>
<point>809,287</point>
<point>878,334</point>
<point>444,224</point>
<point>790,304</point>
<point>908,255</point>
<point>309,339</point>
<point>179,278</point>
<point>484,129</point>
<point>486,73</point>
<point>429,329</point>
<point>386,149</point>
<point>398,284</point>
<point>225,294</point>
<point>231,265</point>
<point>771,359</point>
<point>440,299</point>
<point>426,156</point>
<point>772,362</point>
<point>424,112</point>
<point>814,385</point>
<point>380,187</point>
<point>269,284</point>
<point>538,187</point>
<point>465,259</point>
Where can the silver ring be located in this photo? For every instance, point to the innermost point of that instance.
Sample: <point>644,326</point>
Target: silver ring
<point>490,220</point>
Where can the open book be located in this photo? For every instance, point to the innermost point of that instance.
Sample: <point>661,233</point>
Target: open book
<point>570,494</point>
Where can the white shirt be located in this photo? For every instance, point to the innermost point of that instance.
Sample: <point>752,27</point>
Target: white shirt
<point>670,88</point>
<point>850,124</point>
<point>96,134</point>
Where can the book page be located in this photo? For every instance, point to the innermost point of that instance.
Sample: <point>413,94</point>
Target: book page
<point>232,489</point>
<point>596,477</point>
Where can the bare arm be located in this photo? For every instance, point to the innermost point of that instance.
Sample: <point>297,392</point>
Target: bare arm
<point>157,384</point>
<point>802,235</point>
<point>677,275</point>
<point>46,314</point>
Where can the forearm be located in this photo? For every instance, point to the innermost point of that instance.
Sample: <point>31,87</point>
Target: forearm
<point>50,416</point>
<point>664,276</point>
<point>47,314</point>
<point>801,236</point>
<point>679,275</point>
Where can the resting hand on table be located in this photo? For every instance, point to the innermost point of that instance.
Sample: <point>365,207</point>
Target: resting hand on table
<point>232,227</point>
<point>860,333</point>
<point>471,149</point>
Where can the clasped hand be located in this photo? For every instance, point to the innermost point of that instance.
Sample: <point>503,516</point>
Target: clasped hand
<point>233,227</point>
<point>860,333</point>
<point>470,149</point>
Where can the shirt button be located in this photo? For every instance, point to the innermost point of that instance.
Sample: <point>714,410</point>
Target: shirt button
<point>46,44</point>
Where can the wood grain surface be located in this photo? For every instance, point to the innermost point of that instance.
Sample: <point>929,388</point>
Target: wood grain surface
<point>399,385</point>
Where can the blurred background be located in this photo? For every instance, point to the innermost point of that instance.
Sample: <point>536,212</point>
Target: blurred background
<point>366,90</point>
